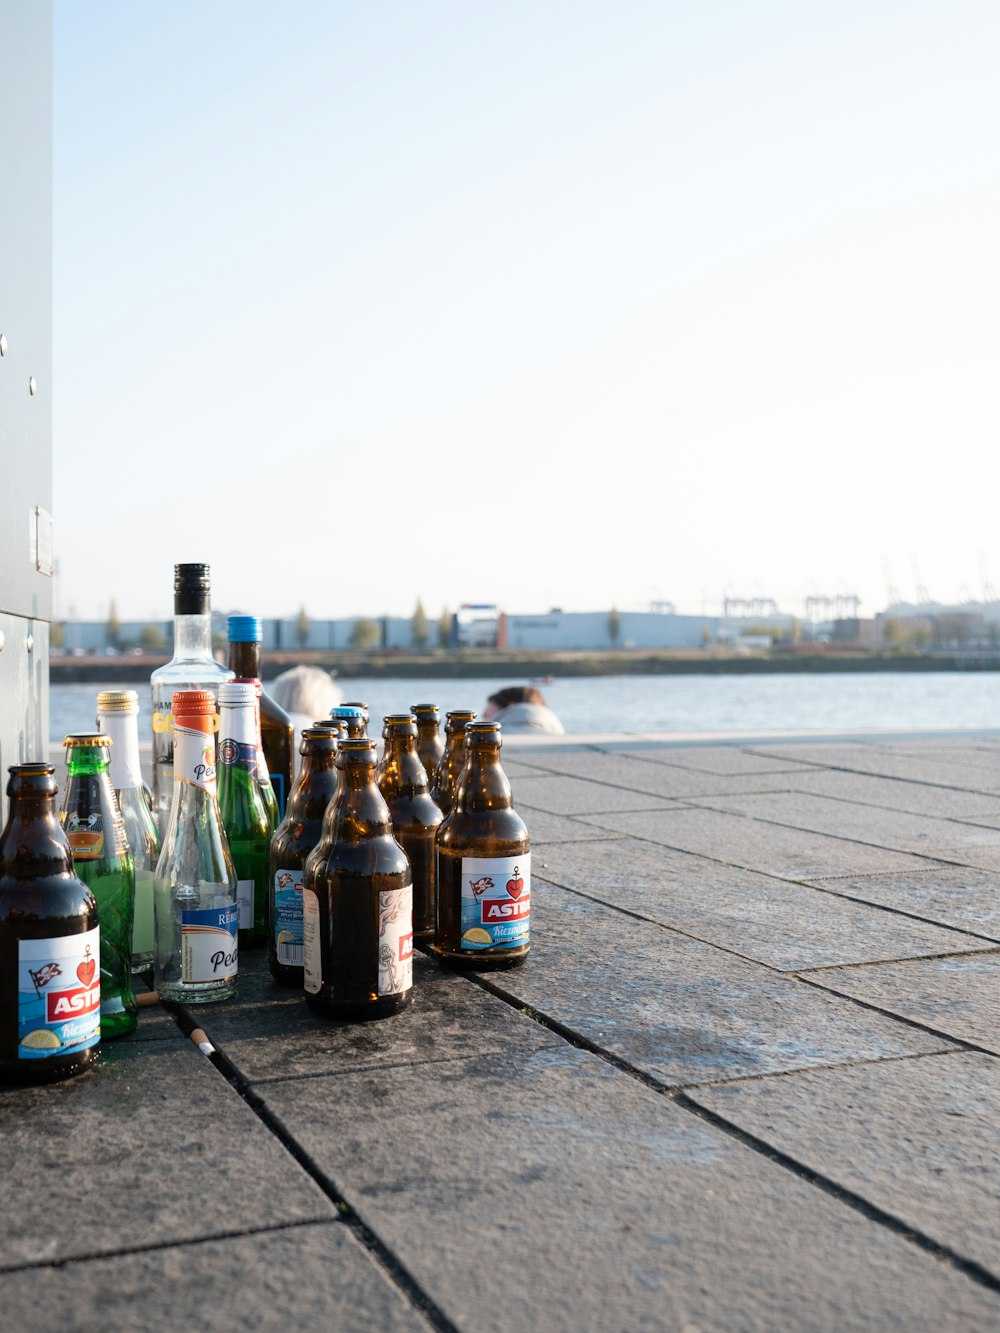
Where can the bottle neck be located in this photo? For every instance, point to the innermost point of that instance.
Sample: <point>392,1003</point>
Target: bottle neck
<point>123,729</point>
<point>244,660</point>
<point>358,810</point>
<point>33,842</point>
<point>193,636</point>
<point>482,784</point>
<point>402,772</point>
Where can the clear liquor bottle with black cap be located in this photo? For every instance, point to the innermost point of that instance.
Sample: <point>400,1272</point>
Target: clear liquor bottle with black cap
<point>192,667</point>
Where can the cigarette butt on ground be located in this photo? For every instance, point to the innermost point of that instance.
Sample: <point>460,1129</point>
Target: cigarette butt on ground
<point>147,999</point>
<point>200,1039</point>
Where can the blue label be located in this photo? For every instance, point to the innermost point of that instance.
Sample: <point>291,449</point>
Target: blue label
<point>288,917</point>
<point>242,753</point>
<point>58,995</point>
<point>209,950</point>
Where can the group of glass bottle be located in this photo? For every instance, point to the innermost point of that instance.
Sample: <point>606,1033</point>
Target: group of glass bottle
<point>366,858</point>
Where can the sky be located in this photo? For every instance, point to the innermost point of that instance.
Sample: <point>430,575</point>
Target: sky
<point>549,303</point>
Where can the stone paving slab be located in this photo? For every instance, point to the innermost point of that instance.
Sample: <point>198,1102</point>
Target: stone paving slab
<point>728,760</point>
<point>892,794</point>
<point>952,895</point>
<point>916,1138</point>
<point>156,1147</point>
<point>787,926</point>
<point>923,835</point>
<point>889,764</point>
<point>788,853</point>
<point>268,1031</point>
<point>636,774</point>
<point>683,1011</point>
<point>551,1192</point>
<point>314,1276</point>
<point>544,828</point>
<point>958,996</point>
<point>559,795</point>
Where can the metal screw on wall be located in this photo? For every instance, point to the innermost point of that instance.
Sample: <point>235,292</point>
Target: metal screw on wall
<point>32,385</point>
<point>3,344</point>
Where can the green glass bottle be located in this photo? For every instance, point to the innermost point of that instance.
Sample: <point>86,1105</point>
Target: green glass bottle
<point>94,828</point>
<point>244,817</point>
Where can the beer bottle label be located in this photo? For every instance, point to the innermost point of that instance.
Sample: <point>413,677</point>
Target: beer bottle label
<point>86,837</point>
<point>312,979</point>
<point>395,940</point>
<point>288,917</point>
<point>209,950</point>
<point>244,901</point>
<point>58,995</point>
<point>496,901</point>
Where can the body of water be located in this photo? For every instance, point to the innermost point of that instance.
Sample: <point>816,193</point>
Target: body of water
<point>848,702</point>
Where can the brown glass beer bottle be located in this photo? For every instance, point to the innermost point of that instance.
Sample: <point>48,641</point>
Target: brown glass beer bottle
<point>355,729</point>
<point>483,864</point>
<point>357,901</point>
<point>402,780</point>
<point>296,837</point>
<point>50,976</point>
<point>453,760</point>
<point>430,746</point>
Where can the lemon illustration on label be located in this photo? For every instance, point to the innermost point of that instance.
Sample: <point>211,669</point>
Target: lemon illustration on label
<point>41,1039</point>
<point>477,935</point>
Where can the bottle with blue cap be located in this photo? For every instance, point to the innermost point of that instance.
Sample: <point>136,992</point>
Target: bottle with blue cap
<point>276,759</point>
<point>352,718</point>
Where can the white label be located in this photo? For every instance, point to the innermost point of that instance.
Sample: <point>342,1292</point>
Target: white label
<point>496,901</point>
<point>209,950</point>
<point>244,897</point>
<point>194,757</point>
<point>395,940</point>
<point>312,978</point>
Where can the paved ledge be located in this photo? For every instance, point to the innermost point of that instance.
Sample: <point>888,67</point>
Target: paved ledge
<point>747,1079</point>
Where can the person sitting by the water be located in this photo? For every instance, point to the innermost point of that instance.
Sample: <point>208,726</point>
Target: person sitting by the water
<point>522,708</point>
<point>306,693</point>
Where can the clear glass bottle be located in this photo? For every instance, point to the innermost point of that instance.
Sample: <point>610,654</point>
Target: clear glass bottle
<point>299,833</point>
<point>453,759</point>
<point>50,978</point>
<point>248,829</point>
<point>483,864</point>
<point>192,667</point>
<point>402,780</point>
<point>357,901</point>
<point>94,828</point>
<point>194,892</point>
<point>276,761</point>
<point>118,718</point>
<point>430,746</point>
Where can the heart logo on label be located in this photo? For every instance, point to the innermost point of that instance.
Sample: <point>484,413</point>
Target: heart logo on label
<point>85,971</point>
<point>515,886</point>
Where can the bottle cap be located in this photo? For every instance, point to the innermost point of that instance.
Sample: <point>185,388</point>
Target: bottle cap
<point>192,590</point>
<point>237,692</point>
<point>245,629</point>
<point>346,711</point>
<point>86,740</point>
<point>193,703</point>
<point>118,701</point>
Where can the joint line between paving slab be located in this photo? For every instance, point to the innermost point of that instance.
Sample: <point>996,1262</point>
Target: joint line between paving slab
<point>397,1272</point>
<point>680,1098</point>
<point>800,972</point>
<point>992,946</point>
<point>969,1267</point>
<point>177,1243</point>
<point>816,882</point>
